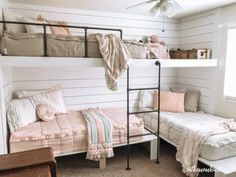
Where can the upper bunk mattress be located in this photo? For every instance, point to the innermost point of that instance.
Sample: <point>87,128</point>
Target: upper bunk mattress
<point>68,133</point>
<point>25,44</point>
<point>171,125</point>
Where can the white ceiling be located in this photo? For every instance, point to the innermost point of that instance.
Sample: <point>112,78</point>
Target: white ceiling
<point>119,6</point>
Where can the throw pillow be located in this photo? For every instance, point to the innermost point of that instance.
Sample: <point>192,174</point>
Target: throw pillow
<point>52,97</point>
<point>20,112</point>
<point>35,28</point>
<point>192,98</point>
<point>169,101</point>
<point>45,112</point>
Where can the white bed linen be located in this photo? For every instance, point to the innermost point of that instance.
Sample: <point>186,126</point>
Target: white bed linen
<point>171,125</point>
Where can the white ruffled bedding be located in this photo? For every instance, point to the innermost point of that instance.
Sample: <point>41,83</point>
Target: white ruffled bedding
<point>172,124</point>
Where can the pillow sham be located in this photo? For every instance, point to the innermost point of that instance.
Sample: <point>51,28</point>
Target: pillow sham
<point>170,101</point>
<point>25,94</point>
<point>146,99</point>
<point>10,16</point>
<point>20,112</point>
<point>60,30</point>
<point>35,28</point>
<point>56,30</point>
<point>45,112</point>
<point>28,93</point>
<point>191,100</point>
<point>52,97</point>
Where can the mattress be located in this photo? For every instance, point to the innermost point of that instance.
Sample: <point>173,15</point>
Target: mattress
<point>171,125</point>
<point>67,133</point>
<point>25,44</point>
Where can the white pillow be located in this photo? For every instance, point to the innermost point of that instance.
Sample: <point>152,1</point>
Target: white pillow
<point>35,28</point>
<point>52,97</point>
<point>28,93</point>
<point>20,112</point>
<point>10,16</point>
<point>146,99</point>
<point>25,93</point>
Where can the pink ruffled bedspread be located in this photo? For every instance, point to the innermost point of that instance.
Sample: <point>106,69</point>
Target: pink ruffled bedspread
<point>68,133</point>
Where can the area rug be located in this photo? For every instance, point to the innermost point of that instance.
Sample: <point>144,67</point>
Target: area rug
<point>141,165</point>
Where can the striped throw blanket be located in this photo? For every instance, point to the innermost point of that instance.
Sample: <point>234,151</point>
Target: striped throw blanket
<point>99,134</point>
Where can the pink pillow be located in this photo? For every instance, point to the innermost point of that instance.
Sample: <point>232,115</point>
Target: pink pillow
<point>60,30</point>
<point>56,30</point>
<point>45,112</point>
<point>170,101</point>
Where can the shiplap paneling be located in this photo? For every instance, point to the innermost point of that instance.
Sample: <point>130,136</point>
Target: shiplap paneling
<point>7,83</point>
<point>197,31</point>
<point>5,96</point>
<point>83,88</point>
<point>86,87</point>
<point>201,79</point>
<point>133,26</point>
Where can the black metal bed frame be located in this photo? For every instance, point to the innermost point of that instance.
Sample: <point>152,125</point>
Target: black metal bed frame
<point>85,28</point>
<point>157,63</point>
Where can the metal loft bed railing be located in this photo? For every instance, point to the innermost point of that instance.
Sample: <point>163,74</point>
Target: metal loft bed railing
<point>157,63</point>
<point>85,28</point>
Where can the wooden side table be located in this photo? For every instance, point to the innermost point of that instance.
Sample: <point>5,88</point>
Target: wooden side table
<point>33,163</point>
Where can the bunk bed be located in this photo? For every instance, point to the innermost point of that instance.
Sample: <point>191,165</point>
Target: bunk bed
<point>47,60</point>
<point>218,150</point>
<point>31,136</point>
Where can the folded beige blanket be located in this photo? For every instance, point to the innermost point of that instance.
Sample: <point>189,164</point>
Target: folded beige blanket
<point>116,58</point>
<point>191,142</point>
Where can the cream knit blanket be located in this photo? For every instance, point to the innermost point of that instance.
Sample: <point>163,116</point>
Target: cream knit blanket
<point>191,142</point>
<point>116,58</point>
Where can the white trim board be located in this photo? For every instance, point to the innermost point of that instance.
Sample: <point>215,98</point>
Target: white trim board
<point>9,61</point>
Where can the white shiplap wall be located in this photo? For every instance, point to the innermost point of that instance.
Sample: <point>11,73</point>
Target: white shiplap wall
<point>201,79</point>
<point>5,96</point>
<point>133,26</point>
<point>86,87</point>
<point>199,31</point>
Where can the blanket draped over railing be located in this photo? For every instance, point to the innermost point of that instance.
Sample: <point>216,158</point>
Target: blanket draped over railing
<point>191,142</point>
<point>116,58</point>
<point>99,135</point>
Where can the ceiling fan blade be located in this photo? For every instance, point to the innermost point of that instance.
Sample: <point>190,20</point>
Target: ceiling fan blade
<point>155,10</point>
<point>176,7</point>
<point>146,2</point>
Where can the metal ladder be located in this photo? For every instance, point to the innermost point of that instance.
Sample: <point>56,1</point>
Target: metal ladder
<point>157,63</point>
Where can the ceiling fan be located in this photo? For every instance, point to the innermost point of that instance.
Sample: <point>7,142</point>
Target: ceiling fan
<point>161,7</point>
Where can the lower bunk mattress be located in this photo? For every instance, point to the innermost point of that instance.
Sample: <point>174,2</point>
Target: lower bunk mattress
<point>172,124</point>
<point>68,133</point>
